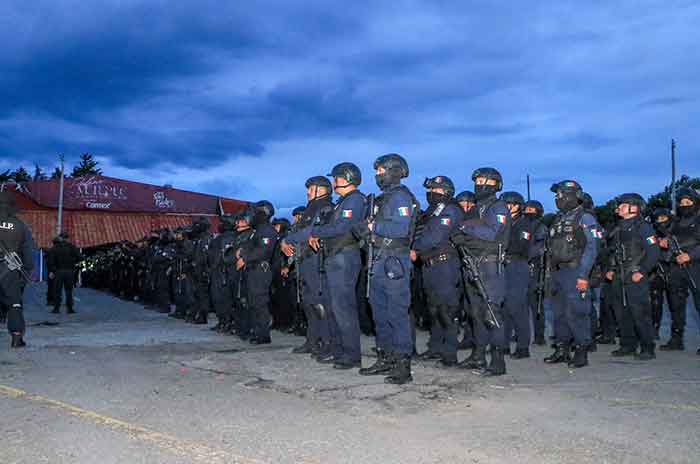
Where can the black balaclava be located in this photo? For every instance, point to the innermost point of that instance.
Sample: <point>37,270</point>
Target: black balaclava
<point>435,198</point>
<point>567,201</point>
<point>482,192</point>
<point>390,178</point>
<point>686,211</point>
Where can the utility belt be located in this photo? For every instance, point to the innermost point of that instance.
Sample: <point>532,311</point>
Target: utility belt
<point>515,259</point>
<point>393,244</point>
<point>570,265</point>
<point>335,245</point>
<point>258,265</point>
<point>437,259</point>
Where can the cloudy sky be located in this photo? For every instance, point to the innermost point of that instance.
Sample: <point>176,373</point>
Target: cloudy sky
<point>248,101</point>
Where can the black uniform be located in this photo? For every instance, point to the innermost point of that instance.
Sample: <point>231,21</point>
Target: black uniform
<point>635,249</point>
<point>15,240</point>
<point>63,260</point>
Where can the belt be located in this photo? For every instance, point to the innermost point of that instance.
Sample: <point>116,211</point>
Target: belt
<point>511,259</point>
<point>263,265</point>
<point>435,260</point>
<point>391,243</point>
<point>566,266</point>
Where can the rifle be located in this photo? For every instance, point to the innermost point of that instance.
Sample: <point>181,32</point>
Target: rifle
<point>471,273</point>
<point>370,246</point>
<point>321,267</point>
<point>677,250</point>
<point>620,257</point>
<point>542,282</point>
<point>297,271</point>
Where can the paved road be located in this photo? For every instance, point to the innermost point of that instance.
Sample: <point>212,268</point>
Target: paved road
<point>117,383</point>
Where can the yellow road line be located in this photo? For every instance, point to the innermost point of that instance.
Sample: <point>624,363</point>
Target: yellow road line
<point>196,452</point>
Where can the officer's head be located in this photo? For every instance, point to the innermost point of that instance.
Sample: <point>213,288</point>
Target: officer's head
<point>587,203</point>
<point>228,223</point>
<point>630,205</point>
<point>200,226</point>
<point>467,200</point>
<point>487,182</point>
<point>534,208</point>
<point>688,200</point>
<point>440,189</point>
<point>661,216</point>
<point>262,212</point>
<point>244,220</point>
<point>514,202</point>
<point>569,195</point>
<point>281,225</point>
<point>7,203</point>
<point>389,170</point>
<point>317,187</point>
<point>297,213</point>
<point>346,178</point>
<point>179,234</point>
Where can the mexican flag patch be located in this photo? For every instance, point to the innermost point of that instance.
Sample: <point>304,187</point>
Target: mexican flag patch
<point>651,240</point>
<point>501,218</point>
<point>346,213</point>
<point>527,235</point>
<point>597,234</point>
<point>445,221</point>
<point>403,211</point>
<point>266,241</point>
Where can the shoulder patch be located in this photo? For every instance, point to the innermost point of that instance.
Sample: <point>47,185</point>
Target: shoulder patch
<point>501,218</point>
<point>651,240</point>
<point>445,221</point>
<point>404,211</point>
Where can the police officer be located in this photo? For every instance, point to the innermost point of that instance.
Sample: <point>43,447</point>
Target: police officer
<point>516,309</point>
<point>573,249</point>
<point>15,241</point>
<point>467,201</point>
<point>534,212</point>
<point>255,257</point>
<point>243,320</point>
<point>63,261</point>
<point>683,242</point>
<point>483,239</point>
<point>442,280</point>
<point>200,271</point>
<point>282,301</point>
<point>343,262</point>
<point>313,278</point>
<point>183,288</point>
<point>658,283</point>
<point>635,255</point>
<point>388,233</point>
<point>221,278</point>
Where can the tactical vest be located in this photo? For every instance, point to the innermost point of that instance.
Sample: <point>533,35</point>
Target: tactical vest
<point>487,247</point>
<point>12,232</point>
<point>627,235</point>
<point>687,231</point>
<point>381,201</point>
<point>431,214</point>
<point>567,238</point>
<point>521,237</point>
<point>335,245</point>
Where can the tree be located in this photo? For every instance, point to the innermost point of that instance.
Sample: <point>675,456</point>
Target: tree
<point>663,199</point>
<point>56,174</point>
<point>86,167</point>
<point>38,173</point>
<point>5,176</point>
<point>21,175</point>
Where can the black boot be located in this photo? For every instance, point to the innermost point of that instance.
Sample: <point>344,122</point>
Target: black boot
<point>498,363</point>
<point>303,349</point>
<point>646,353</point>
<point>70,311</point>
<point>540,341</point>
<point>604,340</point>
<point>56,311</point>
<point>593,347</point>
<point>17,340</point>
<point>429,355</point>
<point>520,353</point>
<point>401,373</point>
<point>200,319</point>
<point>675,343</point>
<point>562,354</point>
<point>624,351</point>
<point>476,360</point>
<point>580,357</point>
<point>383,365</point>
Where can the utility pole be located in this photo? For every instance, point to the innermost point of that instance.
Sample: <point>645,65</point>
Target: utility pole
<point>528,187</point>
<point>59,224</point>
<point>673,176</point>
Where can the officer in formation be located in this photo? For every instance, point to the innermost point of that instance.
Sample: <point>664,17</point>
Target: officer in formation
<point>62,261</point>
<point>16,262</point>
<point>533,212</point>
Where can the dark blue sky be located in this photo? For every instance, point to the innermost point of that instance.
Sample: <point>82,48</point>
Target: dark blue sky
<point>248,101</point>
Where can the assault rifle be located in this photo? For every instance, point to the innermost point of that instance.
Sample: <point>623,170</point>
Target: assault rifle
<point>677,250</point>
<point>620,258</point>
<point>542,282</point>
<point>471,273</point>
<point>370,245</point>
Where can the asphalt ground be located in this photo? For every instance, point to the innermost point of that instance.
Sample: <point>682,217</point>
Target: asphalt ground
<point>117,383</point>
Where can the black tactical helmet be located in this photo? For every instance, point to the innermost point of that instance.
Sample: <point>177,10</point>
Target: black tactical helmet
<point>466,196</point>
<point>266,207</point>
<point>490,174</point>
<point>587,201</point>
<point>200,225</point>
<point>247,215</point>
<point>513,198</point>
<point>394,163</point>
<point>228,222</point>
<point>348,171</point>
<point>319,181</point>
<point>689,193</point>
<point>660,212</point>
<point>536,205</point>
<point>282,221</point>
<point>299,210</point>
<point>442,182</point>
<point>634,199</point>
<point>568,186</point>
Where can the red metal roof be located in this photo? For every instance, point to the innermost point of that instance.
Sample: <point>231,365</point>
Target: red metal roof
<point>229,206</point>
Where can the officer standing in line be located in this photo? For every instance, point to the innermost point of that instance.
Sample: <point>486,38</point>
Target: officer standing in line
<point>255,257</point>
<point>200,272</point>
<point>596,277</point>
<point>388,232</point>
<point>182,282</point>
<point>221,279</point>
<point>517,269</point>
<point>282,300</point>
<point>15,241</point>
<point>658,284</point>
<point>64,259</point>
<point>573,249</point>
<point>684,245</point>
<point>442,280</point>
<point>343,262</point>
<point>289,272</point>
<point>467,201</point>
<point>534,212</point>
<point>313,280</point>
<point>484,238</point>
<point>242,322</point>
<point>636,253</point>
